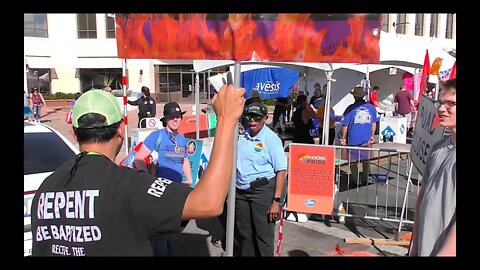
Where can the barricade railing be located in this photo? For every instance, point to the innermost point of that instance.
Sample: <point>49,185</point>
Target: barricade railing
<point>388,193</point>
<point>381,191</point>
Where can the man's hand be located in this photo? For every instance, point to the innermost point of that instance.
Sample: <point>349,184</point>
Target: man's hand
<point>228,103</point>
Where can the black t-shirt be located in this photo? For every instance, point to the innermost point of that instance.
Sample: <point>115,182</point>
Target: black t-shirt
<point>105,210</point>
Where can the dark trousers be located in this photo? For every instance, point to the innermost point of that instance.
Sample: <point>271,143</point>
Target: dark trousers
<point>254,233</point>
<point>331,136</point>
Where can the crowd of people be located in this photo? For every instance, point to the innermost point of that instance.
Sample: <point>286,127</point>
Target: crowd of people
<point>125,212</point>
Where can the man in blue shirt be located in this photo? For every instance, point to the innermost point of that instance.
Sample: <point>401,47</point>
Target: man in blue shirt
<point>260,181</point>
<point>359,122</point>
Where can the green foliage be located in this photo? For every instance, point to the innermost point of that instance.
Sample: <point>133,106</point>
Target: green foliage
<point>59,95</point>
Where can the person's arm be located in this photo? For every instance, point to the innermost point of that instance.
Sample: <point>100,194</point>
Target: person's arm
<point>139,160</point>
<point>30,100</point>
<point>134,103</point>
<point>372,139</point>
<point>187,170</point>
<point>343,138</point>
<point>275,208</point>
<point>42,99</point>
<point>449,247</point>
<point>208,197</point>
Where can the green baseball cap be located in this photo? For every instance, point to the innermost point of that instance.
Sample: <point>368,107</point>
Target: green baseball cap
<point>97,101</point>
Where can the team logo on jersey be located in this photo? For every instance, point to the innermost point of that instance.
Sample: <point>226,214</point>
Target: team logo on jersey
<point>258,147</point>
<point>177,149</point>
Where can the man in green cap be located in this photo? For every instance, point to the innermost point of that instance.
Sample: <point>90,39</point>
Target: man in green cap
<point>92,207</point>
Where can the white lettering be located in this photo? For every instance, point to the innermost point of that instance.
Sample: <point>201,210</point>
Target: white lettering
<point>158,187</point>
<point>45,234</point>
<point>78,251</point>
<point>86,234</point>
<point>48,205</point>
<point>59,203</point>
<point>40,206</point>
<point>54,230</point>
<point>91,194</point>
<point>60,250</point>
<point>79,204</point>
<point>69,206</point>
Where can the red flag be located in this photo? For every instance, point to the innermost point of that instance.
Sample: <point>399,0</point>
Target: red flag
<point>453,74</point>
<point>425,73</point>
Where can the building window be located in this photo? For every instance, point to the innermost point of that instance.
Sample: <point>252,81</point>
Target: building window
<point>98,78</point>
<point>35,25</point>
<point>433,25</point>
<point>110,23</point>
<point>400,24</point>
<point>87,25</point>
<point>419,25</point>
<point>40,78</point>
<point>449,30</point>
<point>385,22</point>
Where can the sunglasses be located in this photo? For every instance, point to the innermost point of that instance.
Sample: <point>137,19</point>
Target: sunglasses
<point>254,117</point>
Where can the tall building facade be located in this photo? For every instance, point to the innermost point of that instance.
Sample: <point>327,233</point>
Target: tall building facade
<point>77,52</point>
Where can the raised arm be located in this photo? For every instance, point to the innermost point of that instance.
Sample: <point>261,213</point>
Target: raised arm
<point>208,197</point>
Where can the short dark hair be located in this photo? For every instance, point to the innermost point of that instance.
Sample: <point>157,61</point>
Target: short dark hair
<point>376,87</point>
<point>301,99</point>
<point>146,91</point>
<point>450,85</point>
<point>102,133</point>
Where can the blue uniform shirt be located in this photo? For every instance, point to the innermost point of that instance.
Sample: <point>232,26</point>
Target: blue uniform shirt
<point>171,153</point>
<point>260,156</point>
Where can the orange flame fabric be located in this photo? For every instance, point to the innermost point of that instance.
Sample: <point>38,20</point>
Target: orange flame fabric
<point>333,38</point>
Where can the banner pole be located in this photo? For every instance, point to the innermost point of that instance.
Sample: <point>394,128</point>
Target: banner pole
<point>125,116</point>
<point>231,191</point>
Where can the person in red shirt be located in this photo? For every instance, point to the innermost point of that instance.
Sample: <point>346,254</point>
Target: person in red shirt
<point>374,99</point>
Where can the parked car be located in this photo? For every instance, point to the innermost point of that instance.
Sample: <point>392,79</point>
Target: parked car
<point>45,149</point>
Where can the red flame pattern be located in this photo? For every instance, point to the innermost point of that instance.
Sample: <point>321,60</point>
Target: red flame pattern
<point>242,37</point>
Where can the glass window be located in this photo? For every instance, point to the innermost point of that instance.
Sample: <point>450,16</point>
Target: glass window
<point>433,25</point>
<point>400,24</point>
<point>35,25</point>
<point>449,30</point>
<point>87,25</point>
<point>419,25</point>
<point>98,78</point>
<point>385,22</point>
<point>110,23</point>
<point>40,78</point>
<point>44,152</point>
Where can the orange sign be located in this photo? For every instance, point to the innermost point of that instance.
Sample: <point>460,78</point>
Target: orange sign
<point>188,126</point>
<point>311,177</point>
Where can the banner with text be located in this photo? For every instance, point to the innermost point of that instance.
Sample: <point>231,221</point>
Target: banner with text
<point>269,82</point>
<point>311,177</point>
<point>276,37</point>
<point>426,133</point>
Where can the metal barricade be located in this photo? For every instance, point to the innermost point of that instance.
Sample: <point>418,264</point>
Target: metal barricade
<point>375,183</point>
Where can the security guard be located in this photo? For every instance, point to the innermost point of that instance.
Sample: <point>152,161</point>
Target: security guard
<point>260,181</point>
<point>146,106</point>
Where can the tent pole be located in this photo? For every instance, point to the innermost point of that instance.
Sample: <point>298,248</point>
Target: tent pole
<point>231,191</point>
<point>125,113</point>
<point>326,111</point>
<point>197,105</point>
